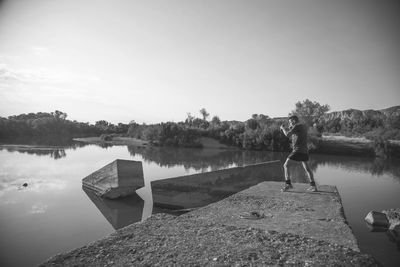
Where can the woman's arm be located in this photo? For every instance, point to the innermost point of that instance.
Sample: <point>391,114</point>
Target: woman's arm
<point>285,132</point>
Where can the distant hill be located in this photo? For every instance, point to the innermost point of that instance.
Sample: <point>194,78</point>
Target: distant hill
<point>361,122</point>
<point>356,114</point>
<point>392,111</point>
<point>362,114</point>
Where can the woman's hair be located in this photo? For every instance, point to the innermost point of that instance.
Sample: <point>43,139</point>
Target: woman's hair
<point>294,118</point>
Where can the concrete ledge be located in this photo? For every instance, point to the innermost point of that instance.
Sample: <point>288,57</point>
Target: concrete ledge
<point>299,229</point>
<point>197,190</point>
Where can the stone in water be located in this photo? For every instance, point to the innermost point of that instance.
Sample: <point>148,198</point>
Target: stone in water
<point>378,219</point>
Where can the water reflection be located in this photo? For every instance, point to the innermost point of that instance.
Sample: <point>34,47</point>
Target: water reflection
<point>33,185</point>
<point>394,237</point>
<point>50,148</point>
<point>38,208</point>
<point>118,212</point>
<point>374,166</point>
<point>39,140</point>
<point>214,159</point>
<point>202,159</point>
<point>55,153</point>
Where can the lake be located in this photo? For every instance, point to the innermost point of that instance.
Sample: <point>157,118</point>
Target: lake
<point>53,214</point>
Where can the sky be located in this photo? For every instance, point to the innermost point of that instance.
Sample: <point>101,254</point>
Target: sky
<point>155,61</point>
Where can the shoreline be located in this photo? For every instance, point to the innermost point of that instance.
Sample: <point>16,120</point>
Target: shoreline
<point>329,144</point>
<point>117,141</point>
<point>357,146</point>
<point>205,141</point>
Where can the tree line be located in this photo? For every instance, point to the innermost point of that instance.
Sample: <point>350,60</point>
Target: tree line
<point>43,124</point>
<point>259,132</point>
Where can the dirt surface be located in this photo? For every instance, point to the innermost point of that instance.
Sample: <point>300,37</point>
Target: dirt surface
<point>216,235</point>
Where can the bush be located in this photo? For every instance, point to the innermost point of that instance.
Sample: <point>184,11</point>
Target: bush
<point>173,134</point>
<point>384,134</point>
<point>314,139</point>
<point>106,137</point>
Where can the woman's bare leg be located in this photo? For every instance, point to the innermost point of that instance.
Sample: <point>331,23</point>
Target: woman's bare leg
<point>286,169</point>
<point>308,171</point>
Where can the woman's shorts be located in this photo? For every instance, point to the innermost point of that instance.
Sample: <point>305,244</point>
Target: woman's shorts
<point>297,156</point>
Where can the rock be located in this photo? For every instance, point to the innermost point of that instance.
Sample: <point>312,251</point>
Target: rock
<point>253,215</point>
<point>378,219</point>
<point>393,215</point>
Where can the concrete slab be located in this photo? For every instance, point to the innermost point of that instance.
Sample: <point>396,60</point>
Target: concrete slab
<point>118,179</point>
<point>317,215</point>
<point>197,190</point>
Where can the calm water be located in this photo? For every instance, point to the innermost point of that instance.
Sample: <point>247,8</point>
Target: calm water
<point>53,214</point>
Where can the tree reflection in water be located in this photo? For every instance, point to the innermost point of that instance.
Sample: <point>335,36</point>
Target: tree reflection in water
<point>55,153</point>
<point>51,146</point>
<point>203,160</point>
<point>374,166</point>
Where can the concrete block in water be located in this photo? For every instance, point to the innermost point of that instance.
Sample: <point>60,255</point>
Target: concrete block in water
<point>197,190</point>
<point>378,219</point>
<point>118,179</point>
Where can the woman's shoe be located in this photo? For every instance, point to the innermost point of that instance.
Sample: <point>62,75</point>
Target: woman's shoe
<point>286,187</point>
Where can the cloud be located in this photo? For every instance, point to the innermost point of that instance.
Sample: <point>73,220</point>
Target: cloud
<point>8,59</point>
<point>40,51</point>
<point>33,76</point>
<point>38,208</point>
<point>11,76</point>
<point>44,76</point>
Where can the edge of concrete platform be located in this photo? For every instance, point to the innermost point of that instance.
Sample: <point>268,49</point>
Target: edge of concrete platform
<point>297,228</point>
<point>318,215</point>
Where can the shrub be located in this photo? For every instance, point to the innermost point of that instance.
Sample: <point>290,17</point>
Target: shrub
<point>106,137</point>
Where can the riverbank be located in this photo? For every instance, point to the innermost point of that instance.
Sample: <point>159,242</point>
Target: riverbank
<point>117,141</point>
<point>334,145</point>
<point>357,146</point>
<point>350,146</point>
<point>29,147</point>
<point>206,142</point>
<point>291,228</point>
